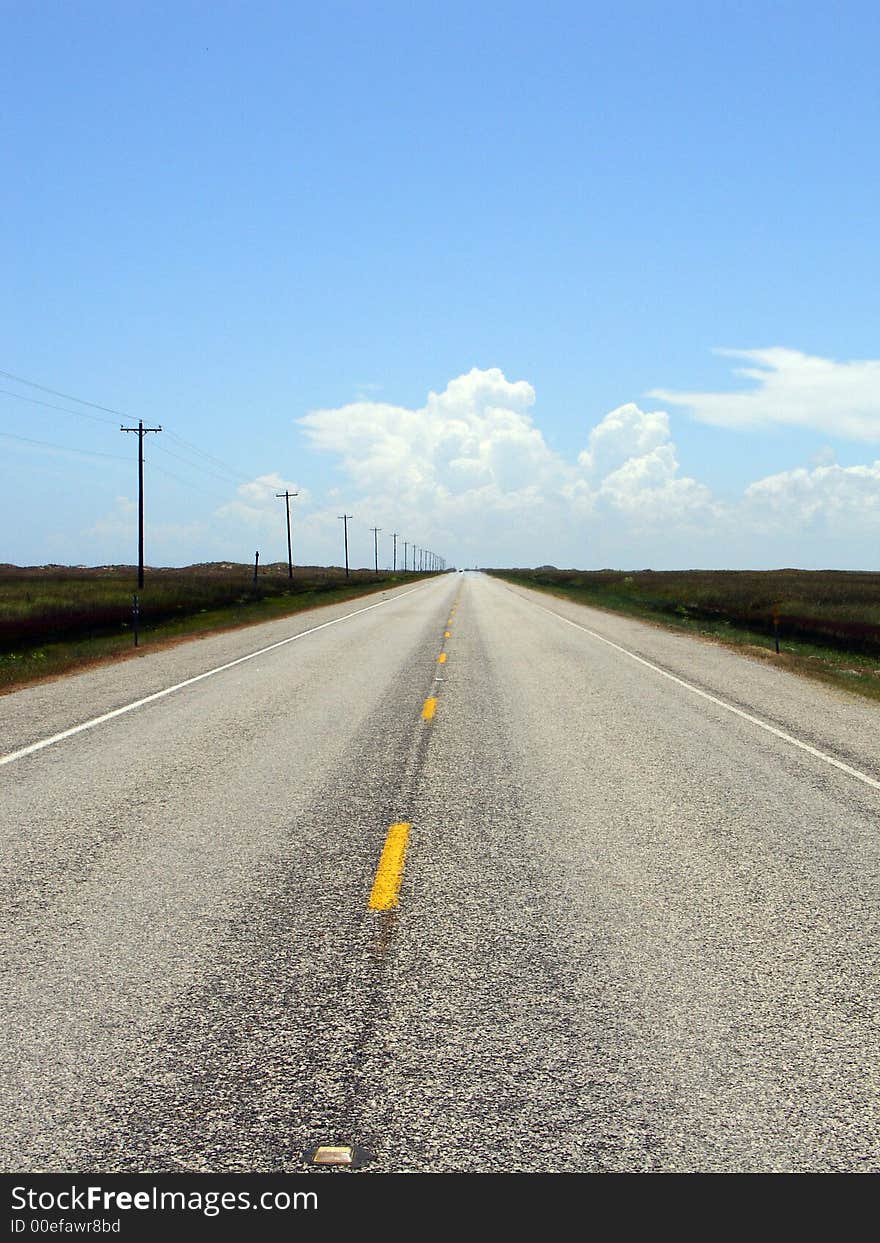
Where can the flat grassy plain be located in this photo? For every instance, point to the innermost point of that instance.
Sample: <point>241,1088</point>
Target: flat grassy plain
<point>54,619</point>
<point>829,620</point>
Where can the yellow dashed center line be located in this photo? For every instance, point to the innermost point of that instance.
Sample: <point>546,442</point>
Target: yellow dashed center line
<point>389,873</point>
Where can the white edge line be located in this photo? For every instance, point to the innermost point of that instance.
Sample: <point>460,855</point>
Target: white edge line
<point>746,716</point>
<point>139,703</point>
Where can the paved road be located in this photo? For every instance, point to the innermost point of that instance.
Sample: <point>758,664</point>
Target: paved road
<point>637,927</point>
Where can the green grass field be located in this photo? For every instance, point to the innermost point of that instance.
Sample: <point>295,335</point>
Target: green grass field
<point>829,620</point>
<point>54,619</point>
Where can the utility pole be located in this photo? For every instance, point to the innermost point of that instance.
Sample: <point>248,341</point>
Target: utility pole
<point>405,546</point>
<point>343,518</point>
<point>394,565</point>
<point>141,432</point>
<point>376,531</point>
<point>286,496</point>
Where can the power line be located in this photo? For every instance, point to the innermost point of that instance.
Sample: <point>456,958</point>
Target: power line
<point>113,457</point>
<point>425,558</point>
<point>35,401</point>
<point>192,465</point>
<point>44,388</point>
<point>45,444</point>
<point>67,396</point>
<point>210,457</point>
<point>186,483</point>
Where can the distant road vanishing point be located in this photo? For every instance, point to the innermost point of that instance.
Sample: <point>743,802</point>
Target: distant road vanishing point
<point>464,875</point>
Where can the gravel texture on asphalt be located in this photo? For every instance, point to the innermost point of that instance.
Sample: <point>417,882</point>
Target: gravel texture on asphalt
<point>635,933</point>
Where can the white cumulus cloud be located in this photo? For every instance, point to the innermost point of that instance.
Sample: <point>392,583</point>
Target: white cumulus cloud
<point>469,474</point>
<point>625,433</point>
<point>650,490</point>
<point>633,466</point>
<point>476,433</point>
<point>795,390</point>
<point>470,466</point>
<point>835,499</point>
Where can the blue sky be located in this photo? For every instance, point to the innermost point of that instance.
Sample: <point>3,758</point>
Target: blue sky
<point>230,218</point>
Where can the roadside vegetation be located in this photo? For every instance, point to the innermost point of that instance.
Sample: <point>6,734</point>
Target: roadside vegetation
<point>828,620</point>
<point>54,619</point>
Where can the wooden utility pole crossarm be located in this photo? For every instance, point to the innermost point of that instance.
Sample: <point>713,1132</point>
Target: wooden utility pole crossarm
<point>285,496</point>
<point>345,519</point>
<point>141,431</point>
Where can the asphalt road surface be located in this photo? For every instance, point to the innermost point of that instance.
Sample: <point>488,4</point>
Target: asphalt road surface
<point>636,926</point>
